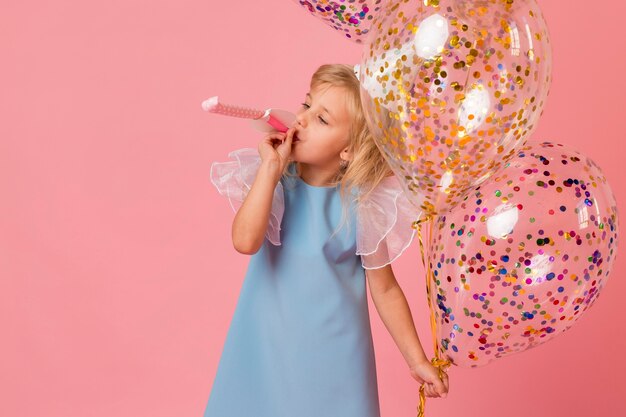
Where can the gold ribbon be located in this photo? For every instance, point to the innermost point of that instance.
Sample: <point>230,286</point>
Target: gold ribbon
<point>437,361</point>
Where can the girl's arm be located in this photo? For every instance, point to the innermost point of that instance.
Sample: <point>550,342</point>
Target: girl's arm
<point>252,218</point>
<point>394,311</point>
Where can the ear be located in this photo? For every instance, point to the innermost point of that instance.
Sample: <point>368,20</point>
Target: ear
<point>346,154</point>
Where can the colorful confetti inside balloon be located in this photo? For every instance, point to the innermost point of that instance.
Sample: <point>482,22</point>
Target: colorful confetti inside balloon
<point>452,89</point>
<point>522,258</point>
<point>350,17</point>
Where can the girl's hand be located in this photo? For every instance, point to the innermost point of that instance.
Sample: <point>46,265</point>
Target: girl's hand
<point>276,146</point>
<point>427,374</point>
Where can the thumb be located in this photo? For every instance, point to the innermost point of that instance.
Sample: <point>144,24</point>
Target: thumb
<point>440,387</point>
<point>288,139</point>
<point>289,134</point>
<point>285,147</point>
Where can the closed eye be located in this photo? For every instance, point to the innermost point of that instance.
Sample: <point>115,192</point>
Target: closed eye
<point>320,117</point>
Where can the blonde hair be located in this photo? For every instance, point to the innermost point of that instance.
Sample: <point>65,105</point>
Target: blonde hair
<point>368,166</point>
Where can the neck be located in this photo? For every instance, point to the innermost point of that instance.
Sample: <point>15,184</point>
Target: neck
<point>317,176</point>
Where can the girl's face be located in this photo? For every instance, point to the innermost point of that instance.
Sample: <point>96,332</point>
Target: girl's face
<point>322,127</point>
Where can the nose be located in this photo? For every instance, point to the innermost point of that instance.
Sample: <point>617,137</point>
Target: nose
<point>300,119</point>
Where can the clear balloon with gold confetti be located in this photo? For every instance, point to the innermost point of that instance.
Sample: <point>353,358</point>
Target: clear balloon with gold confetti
<point>451,89</point>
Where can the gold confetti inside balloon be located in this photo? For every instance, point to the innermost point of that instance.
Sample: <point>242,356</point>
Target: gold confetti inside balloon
<point>451,89</point>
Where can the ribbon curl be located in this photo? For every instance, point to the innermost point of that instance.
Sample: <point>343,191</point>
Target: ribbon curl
<point>438,362</point>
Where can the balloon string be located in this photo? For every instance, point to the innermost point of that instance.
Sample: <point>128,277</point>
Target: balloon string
<point>437,361</point>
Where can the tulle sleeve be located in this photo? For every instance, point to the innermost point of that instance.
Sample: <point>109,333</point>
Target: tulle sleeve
<point>233,179</point>
<point>383,227</point>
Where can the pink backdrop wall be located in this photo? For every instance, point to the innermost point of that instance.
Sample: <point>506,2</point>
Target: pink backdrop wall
<point>118,278</point>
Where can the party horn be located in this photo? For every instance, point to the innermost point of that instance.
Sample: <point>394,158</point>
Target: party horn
<point>263,120</point>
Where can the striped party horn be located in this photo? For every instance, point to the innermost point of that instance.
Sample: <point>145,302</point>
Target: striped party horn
<point>263,120</point>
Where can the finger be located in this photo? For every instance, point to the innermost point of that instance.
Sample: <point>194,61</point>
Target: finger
<point>446,382</point>
<point>287,141</point>
<point>274,140</point>
<point>289,134</point>
<point>275,135</point>
<point>436,390</point>
<point>440,388</point>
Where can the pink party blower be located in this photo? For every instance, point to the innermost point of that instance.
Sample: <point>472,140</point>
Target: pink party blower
<point>263,120</point>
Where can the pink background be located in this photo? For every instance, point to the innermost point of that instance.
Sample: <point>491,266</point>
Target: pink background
<point>118,275</point>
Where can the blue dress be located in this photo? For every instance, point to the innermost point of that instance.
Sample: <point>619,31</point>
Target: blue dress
<point>300,343</point>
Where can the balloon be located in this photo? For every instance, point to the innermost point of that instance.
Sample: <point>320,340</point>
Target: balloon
<point>522,258</point>
<point>451,89</point>
<point>353,17</point>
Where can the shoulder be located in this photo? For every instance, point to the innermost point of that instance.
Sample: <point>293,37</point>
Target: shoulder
<point>388,188</point>
<point>385,219</point>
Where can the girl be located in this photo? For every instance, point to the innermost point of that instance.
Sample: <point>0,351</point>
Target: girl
<point>299,343</point>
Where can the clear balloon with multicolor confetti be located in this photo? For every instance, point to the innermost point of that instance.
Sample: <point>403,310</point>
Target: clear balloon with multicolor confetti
<point>451,89</point>
<point>523,257</point>
<point>352,18</point>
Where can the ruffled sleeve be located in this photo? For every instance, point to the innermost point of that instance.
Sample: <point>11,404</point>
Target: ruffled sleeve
<point>383,224</point>
<point>233,179</point>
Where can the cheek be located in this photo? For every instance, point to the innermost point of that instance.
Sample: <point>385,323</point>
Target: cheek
<point>338,138</point>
